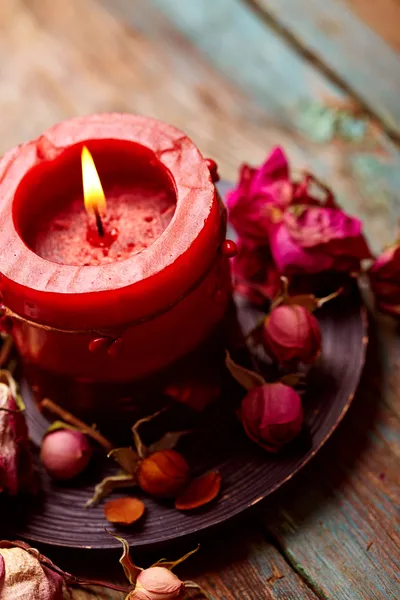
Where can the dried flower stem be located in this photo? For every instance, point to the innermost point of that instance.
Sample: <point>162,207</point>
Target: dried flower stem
<point>6,351</point>
<point>322,301</point>
<point>191,585</point>
<point>69,418</point>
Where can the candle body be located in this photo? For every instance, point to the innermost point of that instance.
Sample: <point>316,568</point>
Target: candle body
<point>151,308</point>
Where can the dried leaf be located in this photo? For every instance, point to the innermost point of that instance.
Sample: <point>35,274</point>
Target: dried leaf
<point>127,458</point>
<point>124,511</point>
<point>248,379</point>
<point>6,377</point>
<point>61,425</point>
<point>142,450</point>
<point>130,569</point>
<point>168,564</point>
<point>293,379</point>
<point>309,301</point>
<point>108,485</point>
<point>200,491</point>
<point>168,441</point>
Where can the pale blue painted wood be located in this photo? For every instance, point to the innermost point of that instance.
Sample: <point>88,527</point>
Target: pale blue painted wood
<point>362,59</point>
<point>297,98</point>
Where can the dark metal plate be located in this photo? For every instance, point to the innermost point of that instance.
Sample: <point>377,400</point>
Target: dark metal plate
<point>58,515</point>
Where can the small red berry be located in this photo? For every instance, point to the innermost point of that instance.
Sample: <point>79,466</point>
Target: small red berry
<point>229,248</point>
<point>99,344</point>
<point>116,348</point>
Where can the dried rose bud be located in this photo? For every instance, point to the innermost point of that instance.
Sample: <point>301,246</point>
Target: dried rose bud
<point>291,334</point>
<point>157,583</point>
<point>23,576</point>
<point>16,470</point>
<point>163,474</point>
<point>272,415</point>
<point>65,453</point>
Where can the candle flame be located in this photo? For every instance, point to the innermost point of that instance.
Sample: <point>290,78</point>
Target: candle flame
<point>93,194</point>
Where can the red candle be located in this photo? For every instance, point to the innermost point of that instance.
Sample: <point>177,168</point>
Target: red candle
<point>126,306</point>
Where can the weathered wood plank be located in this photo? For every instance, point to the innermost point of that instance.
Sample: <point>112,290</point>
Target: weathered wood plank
<point>297,100</point>
<point>237,564</point>
<point>382,16</point>
<point>343,42</point>
<point>338,522</point>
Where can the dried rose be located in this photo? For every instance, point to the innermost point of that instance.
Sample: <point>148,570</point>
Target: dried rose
<point>124,511</point>
<point>291,334</point>
<point>200,491</point>
<point>313,239</point>
<point>163,474</point>
<point>272,415</point>
<point>257,188</point>
<point>24,576</point>
<point>255,275</point>
<point>65,453</point>
<point>157,583</point>
<point>384,276</point>
<point>16,470</point>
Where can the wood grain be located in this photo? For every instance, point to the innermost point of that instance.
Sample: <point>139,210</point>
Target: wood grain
<point>350,48</point>
<point>325,130</point>
<point>340,519</point>
<point>383,17</point>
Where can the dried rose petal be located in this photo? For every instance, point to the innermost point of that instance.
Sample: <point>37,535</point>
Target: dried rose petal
<point>200,491</point>
<point>124,511</point>
<point>255,275</point>
<point>257,190</point>
<point>313,239</point>
<point>163,474</point>
<point>384,276</point>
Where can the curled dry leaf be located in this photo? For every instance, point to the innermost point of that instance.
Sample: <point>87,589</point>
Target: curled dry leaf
<point>127,458</point>
<point>200,491</point>
<point>130,569</point>
<point>168,441</point>
<point>124,511</point>
<point>247,378</point>
<point>109,484</point>
<point>141,448</point>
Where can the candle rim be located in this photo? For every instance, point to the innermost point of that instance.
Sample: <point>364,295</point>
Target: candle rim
<point>170,145</point>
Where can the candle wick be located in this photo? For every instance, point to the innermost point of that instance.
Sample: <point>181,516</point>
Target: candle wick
<point>99,222</point>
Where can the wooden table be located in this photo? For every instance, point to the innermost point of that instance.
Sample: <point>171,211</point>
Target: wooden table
<point>239,76</point>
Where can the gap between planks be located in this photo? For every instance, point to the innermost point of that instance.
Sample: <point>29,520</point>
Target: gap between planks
<point>296,44</point>
<point>295,566</point>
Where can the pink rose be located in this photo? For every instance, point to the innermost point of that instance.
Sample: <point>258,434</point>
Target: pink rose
<point>254,273</point>
<point>384,276</point>
<point>312,239</point>
<point>258,188</point>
